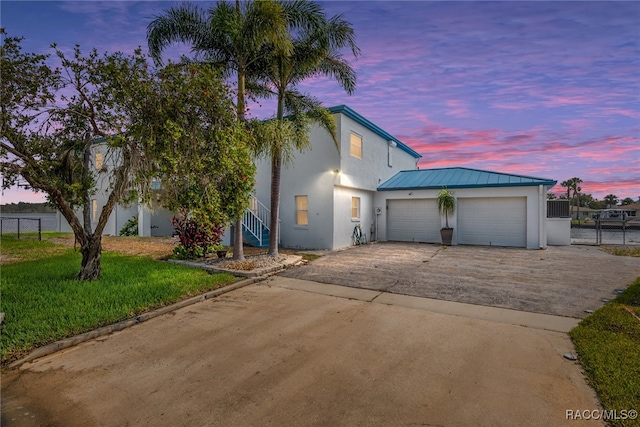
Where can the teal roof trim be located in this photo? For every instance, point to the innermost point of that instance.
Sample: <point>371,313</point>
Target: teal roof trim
<point>343,109</point>
<point>426,179</point>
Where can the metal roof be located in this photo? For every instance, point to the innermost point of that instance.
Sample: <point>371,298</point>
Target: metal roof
<point>458,178</point>
<point>343,109</point>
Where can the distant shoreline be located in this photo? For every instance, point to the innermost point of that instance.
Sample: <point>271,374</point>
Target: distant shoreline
<point>26,208</point>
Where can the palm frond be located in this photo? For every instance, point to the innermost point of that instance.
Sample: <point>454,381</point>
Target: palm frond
<point>186,24</point>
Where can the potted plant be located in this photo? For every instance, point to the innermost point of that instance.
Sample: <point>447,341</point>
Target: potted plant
<point>446,207</point>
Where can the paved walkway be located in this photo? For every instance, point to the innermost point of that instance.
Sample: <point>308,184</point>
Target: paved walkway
<point>292,352</point>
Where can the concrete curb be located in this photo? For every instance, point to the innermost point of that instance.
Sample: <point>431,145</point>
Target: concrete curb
<point>290,261</point>
<point>106,330</point>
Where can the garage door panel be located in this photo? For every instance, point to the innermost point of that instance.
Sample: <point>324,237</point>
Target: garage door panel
<point>413,221</point>
<point>498,221</point>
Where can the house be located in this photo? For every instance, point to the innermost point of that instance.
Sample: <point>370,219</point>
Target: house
<point>584,213</point>
<point>153,220</point>
<point>374,183</point>
<point>327,193</point>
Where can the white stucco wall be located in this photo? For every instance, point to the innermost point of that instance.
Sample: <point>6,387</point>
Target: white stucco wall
<point>330,179</point>
<point>536,224</point>
<point>558,231</point>
<point>344,223</point>
<point>312,174</point>
<point>373,169</point>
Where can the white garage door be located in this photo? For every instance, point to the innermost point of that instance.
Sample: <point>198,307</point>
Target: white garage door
<point>413,221</point>
<point>500,221</point>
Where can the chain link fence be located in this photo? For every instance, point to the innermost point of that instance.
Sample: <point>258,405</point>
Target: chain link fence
<point>607,232</point>
<point>21,228</point>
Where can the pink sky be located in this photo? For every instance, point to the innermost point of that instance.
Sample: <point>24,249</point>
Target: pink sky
<point>548,89</point>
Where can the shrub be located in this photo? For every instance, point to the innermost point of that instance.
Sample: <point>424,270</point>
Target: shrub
<point>130,227</point>
<point>195,240</point>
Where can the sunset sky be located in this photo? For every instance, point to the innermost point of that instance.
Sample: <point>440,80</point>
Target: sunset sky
<point>548,89</point>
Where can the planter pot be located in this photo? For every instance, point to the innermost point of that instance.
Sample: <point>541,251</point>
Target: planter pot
<point>221,254</point>
<point>446,234</point>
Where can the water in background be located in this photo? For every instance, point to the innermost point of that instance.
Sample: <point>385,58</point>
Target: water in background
<point>48,221</point>
<point>587,236</point>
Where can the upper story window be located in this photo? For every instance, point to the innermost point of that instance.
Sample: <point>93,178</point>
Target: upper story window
<point>356,146</point>
<point>302,210</point>
<point>99,162</point>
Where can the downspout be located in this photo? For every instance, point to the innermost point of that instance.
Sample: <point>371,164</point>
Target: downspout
<point>542,217</point>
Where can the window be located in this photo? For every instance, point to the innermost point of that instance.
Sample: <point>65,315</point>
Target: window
<point>94,209</point>
<point>302,210</point>
<point>99,163</point>
<point>253,204</point>
<point>390,156</point>
<point>356,146</point>
<point>355,207</point>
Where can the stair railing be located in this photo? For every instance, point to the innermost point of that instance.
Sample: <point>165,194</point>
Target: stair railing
<point>257,218</point>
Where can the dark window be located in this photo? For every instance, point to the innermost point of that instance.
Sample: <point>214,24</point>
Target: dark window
<point>558,209</point>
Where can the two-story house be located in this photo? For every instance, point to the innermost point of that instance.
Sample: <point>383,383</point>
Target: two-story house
<point>374,181</point>
<point>326,193</point>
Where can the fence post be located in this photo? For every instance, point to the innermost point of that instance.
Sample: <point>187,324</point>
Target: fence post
<point>18,228</point>
<point>39,229</point>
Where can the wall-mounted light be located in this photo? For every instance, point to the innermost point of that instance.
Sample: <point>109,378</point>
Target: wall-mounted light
<point>411,194</point>
<point>336,172</point>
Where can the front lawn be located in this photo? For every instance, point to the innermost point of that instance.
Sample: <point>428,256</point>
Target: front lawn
<point>608,346</point>
<point>43,302</point>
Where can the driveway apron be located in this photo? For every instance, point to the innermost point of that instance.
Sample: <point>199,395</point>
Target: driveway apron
<point>266,355</point>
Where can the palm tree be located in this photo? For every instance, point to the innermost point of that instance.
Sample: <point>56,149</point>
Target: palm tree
<point>611,200</point>
<point>572,185</point>
<point>446,205</point>
<point>230,36</point>
<point>316,52</point>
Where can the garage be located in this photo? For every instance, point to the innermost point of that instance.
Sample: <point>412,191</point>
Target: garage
<point>497,221</point>
<point>413,221</point>
<point>492,208</point>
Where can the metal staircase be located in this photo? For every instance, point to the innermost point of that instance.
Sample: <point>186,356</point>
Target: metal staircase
<point>256,224</point>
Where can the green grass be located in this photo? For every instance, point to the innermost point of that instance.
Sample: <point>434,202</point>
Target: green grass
<point>309,257</point>
<point>43,302</point>
<point>622,250</point>
<point>30,250</point>
<point>608,345</point>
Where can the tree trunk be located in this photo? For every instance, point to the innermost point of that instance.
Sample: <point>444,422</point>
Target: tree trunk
<point>276,172</point>
<point>238,251</point>
<point>91,256</point>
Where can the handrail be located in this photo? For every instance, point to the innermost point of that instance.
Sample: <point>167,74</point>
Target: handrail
<point>257,218</point>
<point>253,225</point>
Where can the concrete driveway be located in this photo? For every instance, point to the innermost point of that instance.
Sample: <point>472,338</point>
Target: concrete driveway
<point>561,280</point>
<point>278,353</point>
